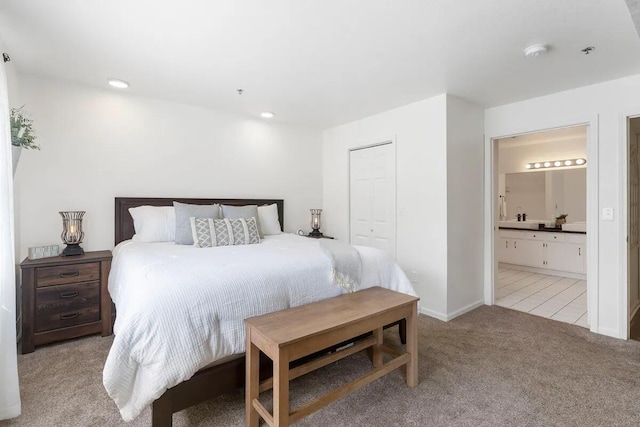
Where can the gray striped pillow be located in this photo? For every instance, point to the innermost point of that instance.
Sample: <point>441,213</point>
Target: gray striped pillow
<point>209,232</point>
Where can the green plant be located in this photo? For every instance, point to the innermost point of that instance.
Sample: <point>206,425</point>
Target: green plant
<point>562,216</point>
<point>22,133</point>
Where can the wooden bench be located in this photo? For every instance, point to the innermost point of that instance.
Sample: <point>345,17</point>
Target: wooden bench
<point>291,334</point>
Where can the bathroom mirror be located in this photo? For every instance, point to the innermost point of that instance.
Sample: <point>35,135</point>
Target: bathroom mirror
<point>547,194</point>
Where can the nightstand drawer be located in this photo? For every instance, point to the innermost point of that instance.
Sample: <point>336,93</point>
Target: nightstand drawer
<point>67,305</point>
<point>50,276</point>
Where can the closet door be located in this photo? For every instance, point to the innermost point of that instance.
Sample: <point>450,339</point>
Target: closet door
<point>373,197</point>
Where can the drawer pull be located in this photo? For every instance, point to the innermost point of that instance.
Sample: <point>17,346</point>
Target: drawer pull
<point>70,274</point>
<point>69,316</point>
<point>70,294</point>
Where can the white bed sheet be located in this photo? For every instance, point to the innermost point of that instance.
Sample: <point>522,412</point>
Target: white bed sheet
<point>181,308</point>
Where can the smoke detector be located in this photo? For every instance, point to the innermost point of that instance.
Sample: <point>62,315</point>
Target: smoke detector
<point>536,50</point>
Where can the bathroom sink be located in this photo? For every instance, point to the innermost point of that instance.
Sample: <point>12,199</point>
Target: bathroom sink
<point>575,226</point>
<point>525,225</point>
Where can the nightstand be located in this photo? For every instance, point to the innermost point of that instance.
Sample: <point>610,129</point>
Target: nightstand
<point>65,297</point>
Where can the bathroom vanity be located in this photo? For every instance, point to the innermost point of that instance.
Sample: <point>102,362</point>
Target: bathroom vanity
<point>550,251</point>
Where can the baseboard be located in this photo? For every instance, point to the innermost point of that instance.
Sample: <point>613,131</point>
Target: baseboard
<point>543,271</point>
<point>465,309</point>
<point>450,316</point>
<point>432,313</point>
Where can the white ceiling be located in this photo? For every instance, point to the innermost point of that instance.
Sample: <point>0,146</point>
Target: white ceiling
<point>322,63</point>
<point>555,135</point>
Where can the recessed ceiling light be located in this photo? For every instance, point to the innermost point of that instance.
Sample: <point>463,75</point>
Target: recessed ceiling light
<point>267,114</point>
<point>117,83</point>
<point>536,50</point>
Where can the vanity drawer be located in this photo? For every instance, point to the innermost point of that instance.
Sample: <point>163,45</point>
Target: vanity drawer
<point>64,274</point>
<point>556,237</point>
<point>67,305</point>
<point>513,234</point>
<point>580,239</point>
<point>536,235</point>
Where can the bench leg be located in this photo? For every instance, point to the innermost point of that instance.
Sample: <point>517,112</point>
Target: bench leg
<point>281,390</point>
<point>402,330</point>
<point>412,347</point>
<point>252,379</point>
<point>377,348</point>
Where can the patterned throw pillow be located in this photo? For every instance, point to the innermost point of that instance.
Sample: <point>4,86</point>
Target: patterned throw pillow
<point>209,232</point>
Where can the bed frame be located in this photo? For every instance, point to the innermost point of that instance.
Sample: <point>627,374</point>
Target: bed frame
<point>210,381</point>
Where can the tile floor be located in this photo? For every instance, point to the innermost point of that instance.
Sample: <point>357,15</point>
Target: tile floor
<point>553,297</point>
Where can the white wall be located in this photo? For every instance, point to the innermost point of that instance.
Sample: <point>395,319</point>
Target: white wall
<point>605,106</point>
<point>465,215</point>
<point>419,134</point>
<point>99,144</point>
<point>439,195</point>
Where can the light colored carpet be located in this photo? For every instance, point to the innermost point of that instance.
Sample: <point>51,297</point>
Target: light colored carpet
<point>490,367</point>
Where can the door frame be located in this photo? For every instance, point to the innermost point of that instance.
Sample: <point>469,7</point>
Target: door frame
<point>364,146</point>
<point>491,229</point>
<point>625,318</point>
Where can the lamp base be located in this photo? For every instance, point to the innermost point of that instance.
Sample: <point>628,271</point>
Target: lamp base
<point>72,249</point>
<point>315,233</point>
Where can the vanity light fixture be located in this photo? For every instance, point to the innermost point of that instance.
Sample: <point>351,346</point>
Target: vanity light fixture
<point>556,163</point>
<point>267,115</point>
<point>118,84</point>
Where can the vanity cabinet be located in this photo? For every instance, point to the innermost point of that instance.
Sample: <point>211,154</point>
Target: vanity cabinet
<point>560,252</point>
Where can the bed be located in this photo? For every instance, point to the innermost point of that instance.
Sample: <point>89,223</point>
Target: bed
<point>177,341</point>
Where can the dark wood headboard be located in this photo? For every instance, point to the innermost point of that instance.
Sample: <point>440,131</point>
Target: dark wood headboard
<point>124,221</point>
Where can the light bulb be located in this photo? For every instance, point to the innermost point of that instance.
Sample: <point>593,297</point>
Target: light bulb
<point>568,162</point>
<point>537,166</point>
<point>527,166</point>
<point>547,164</point>
<point>581,162</point>
<point>557,163</point>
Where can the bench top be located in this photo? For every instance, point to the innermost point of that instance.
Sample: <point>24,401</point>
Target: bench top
<point>287,326</point>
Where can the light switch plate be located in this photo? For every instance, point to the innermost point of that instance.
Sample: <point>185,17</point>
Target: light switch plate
<point>607,214</point>
<point>38,252</point>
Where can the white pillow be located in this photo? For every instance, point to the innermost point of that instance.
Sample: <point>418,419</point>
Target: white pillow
<point>154,223</point>
<point>268,216</point>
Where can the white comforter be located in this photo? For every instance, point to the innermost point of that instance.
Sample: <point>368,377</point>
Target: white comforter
<point>181,308</point>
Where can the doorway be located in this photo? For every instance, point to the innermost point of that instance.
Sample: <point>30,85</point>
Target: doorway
<point>633,226</point>
<point>372,197</point>
<point>540,226</point>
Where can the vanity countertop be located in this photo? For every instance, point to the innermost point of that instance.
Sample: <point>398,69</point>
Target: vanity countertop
<point>546,230</point>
